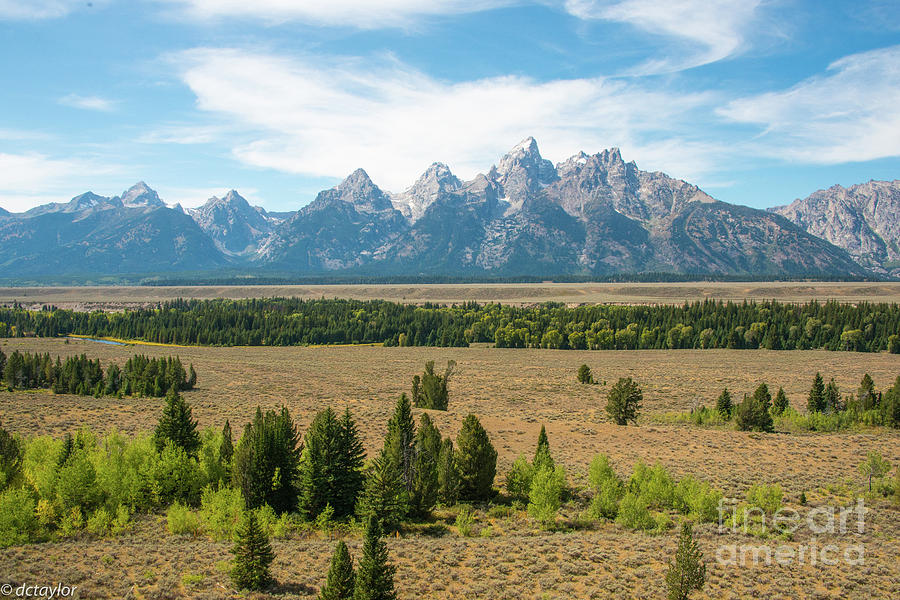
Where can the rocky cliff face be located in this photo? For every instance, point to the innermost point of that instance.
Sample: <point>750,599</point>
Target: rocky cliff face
<point>588,215</point>
<point>863,219</point>
<point>236,228</point>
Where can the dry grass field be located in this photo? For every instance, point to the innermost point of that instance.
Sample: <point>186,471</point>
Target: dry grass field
<point>90,297</point>
<point>513,392</point>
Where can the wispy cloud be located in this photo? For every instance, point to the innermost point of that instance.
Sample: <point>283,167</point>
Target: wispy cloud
<point>29,179</point>
<point>30,10</point>
<point>88,102</point>
<point>704,31</point>
<point>364,14</point>
<point>325,117</point>
<point>183,134</point>
<point>852,113</point>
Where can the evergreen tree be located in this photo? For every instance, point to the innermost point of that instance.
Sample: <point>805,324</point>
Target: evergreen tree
<point>448,475</point>
<point>624,401</point>
<point>226,449</point>
<point>687,572</point>
<point>68,448</point>
<point>542,457</point>
<point>192,379</point>
<point>890,408</point>
<point>431,390</point>
<point>865,395</point>
<point>252,554</point>
<point>425,486</point>
<point>476,461</point>
<point>781,403</point>
<point>724,405</point>
<point>330,469</point>
<point>399,443</point>
<point>11,457</point>
<point>349,476</point>
<point>265,464</point>
<point>833,401</point>
<point>384,496</point>
<point>341,578</point>
<point>584,375</point>
<point>816,399</point>
<point>375,575</point>
<point>752,414</point>
<point>177,425</point>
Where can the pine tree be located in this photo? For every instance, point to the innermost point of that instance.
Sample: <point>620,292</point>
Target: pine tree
<point>349,478</point>
<point>833,401</point>
<point>687,572</point>
<point>624,401</point>
<point>330,468</point>
<point>425,485</point>
<point>752,414</point>
<point>431,390</point>
<point>816,400</point>
<point>384,496</point>
<point>341,578</point>
<point>542,457</point>
<point>584,375</point>
<point>865,395</point>
<point>192,380</point>
<point>781,403</point>
<point>476,461</point>
<point>399,443</point>
<point>265,464</point>
<point>177,425</point>
<point>724,405</point>
<point>448,475</point>
<point>226,449</point>
<point>375,575</point>
<point>11,457</point>
<point>252,554</point>
<point>68,448</point>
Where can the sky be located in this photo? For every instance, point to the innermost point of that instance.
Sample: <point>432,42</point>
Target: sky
<point>758,102</point>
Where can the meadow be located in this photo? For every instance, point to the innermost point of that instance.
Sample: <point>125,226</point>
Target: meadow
<point>104,297</point>
<point>514,392</point>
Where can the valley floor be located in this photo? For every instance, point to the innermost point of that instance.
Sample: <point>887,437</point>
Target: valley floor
<point>513,392</point>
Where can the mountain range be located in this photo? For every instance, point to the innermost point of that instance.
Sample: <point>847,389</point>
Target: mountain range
<point>589,215</point>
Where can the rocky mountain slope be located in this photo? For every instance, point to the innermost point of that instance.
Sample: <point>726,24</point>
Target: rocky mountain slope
<point>589,215</point>
<point>863,219</point>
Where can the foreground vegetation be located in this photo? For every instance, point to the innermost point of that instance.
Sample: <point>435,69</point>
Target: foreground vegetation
<point>864,327</point>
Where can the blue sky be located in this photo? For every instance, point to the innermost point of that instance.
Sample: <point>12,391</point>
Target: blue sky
<point>757,102</point>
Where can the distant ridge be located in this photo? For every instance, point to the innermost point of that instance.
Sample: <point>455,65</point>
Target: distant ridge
<point>590,216</point>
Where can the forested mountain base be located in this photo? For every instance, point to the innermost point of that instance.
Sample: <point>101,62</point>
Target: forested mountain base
<point>863,327</point>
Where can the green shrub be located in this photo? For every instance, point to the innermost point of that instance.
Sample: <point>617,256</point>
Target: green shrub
<point>176,477</point>
<point>76,484</point>
<point>181,520</point>
<point>220,511</point>
<point>71,522</point>
<point>465,520</point>
<point>545,496</point>
<point>653,484</point>
<point>766,497</point>
<point>518,480</point>
<point>18,523</point>
<point>696,498</point>
<point>600,470</point>
<point>634,512</point>
<point>605,503</point>
<point>99,523</point>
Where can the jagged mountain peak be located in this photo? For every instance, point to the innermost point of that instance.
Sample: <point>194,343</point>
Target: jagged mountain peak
<point>141,195</point>
<point>416,199</point>
<point>357,189</point>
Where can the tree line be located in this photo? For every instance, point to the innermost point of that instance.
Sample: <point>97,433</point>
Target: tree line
<point>863,327</point>
<point>141,376</point>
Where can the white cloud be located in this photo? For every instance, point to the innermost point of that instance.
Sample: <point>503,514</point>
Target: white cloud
<point>29,179</point>
<point>41,9</point>
<point>183,134</point>
<point>365,14</point>
<point>852,113</point>
<point>709,30</point>
<point>87,102</point>
<point>324,117</point>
